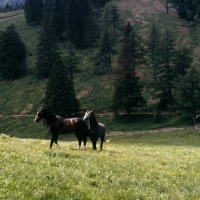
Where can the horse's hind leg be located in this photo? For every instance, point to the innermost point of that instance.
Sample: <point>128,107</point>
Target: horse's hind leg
<point>102,140</point>
<point>56,141</point>
<point>79,143</point>
<point>52,140</point>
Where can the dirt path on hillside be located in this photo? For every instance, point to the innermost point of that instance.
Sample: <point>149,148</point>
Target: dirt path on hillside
<point>11,17</point>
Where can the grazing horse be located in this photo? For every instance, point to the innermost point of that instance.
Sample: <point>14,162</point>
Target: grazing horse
<point>97,128</point>
<point>59,124</point>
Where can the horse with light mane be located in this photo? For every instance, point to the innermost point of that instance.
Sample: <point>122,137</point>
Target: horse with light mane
<point>97,128</point>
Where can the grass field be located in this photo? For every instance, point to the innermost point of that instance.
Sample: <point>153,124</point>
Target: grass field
<point>143,165</point>
<point>161,165</point>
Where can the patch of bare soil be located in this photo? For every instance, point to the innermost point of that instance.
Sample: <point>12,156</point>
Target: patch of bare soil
<point>27,109</point>
<point>84,93</point>
<point>139,7</point>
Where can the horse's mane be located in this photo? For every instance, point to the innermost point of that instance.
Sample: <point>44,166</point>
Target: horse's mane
<point>46,110</point>
<point>93,115</point>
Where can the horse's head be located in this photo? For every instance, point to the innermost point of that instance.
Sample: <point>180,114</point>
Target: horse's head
<point>40,114</point>
<point>87,115</point>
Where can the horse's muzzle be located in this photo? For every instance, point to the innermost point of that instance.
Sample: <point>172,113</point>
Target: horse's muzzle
<point>36,119</point>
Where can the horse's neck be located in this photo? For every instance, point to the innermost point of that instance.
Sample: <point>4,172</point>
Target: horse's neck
<point>93,122</point>
<point>51,118</point>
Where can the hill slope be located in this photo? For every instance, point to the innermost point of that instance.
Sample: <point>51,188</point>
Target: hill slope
<point>24,96</point>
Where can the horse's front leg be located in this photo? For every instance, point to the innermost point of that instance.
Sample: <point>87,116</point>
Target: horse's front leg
<point>56,141</point>
<point>94,141</point>
<point>52,140</point>
<point>84,141</point>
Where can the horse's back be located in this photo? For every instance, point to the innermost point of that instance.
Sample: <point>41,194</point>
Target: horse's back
<point>73,125</point>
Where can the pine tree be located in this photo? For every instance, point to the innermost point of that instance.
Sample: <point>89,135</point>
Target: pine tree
<point>103,59</point>
<point>57,17</point>
<point>115,18</point>
<point>166,71</point>
<point>12,53</point>
<point>33,11</point>
<point>187,91</point>
<point>69,59</point>
<point>47,48</point>
<point>153,44</point>
<point>91,32</point>
<point>60,96</point>
<point>183,61</point>
<point>128,93</point>
<point>136,48</point>
<point>76,14</point>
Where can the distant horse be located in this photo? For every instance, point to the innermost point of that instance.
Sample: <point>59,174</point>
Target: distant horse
<point>59,124</point>
<point>97,128</point>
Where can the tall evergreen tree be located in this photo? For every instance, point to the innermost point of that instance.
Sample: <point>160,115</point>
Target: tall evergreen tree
<point>60,96</point>
<point>47,48</point>
<point>91,29</point>
<point>12,53</point>
<point>69,59</point>
<point>58,17</point>
<point>103,59</point>
<point>166,69</point>
<point>115,18</point>
<point>76,14</point>
<point>187,91</point>
<point>128,93</point>
<point>153,44</point>
<point>33,11</point>
<point>183,61</point>
<point>136,48</point>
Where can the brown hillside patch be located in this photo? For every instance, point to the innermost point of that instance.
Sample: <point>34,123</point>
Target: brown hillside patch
<point>28,108</point>
<point>84,93</point>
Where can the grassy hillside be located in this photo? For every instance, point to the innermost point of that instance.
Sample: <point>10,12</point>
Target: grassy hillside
<point>23,96</point>
<point>150,166</point>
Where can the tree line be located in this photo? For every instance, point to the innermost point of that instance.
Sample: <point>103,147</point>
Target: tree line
<point>186,9</point>
<point>169,75</point>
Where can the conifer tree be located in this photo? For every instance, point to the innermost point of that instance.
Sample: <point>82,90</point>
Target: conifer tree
<point>183,61</point>
<point>136,48</point>
<point>33,11</point>
<point>47,54</point>
<point>128,93</point>
<point>103,58</point>
<point>153,45</point>
<point>69,58</point>
<point>60,96</point>
<point>91,29</point>
<point>47,48</point>
<point>166,71</point>
<point>187,91</point>
<point>76,14</point>
<point>115,18</point>
<point>57,17</point>
<point>12,53</point>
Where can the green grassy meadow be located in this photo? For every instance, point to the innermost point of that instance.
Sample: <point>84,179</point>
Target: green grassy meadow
<point>161,165</point>
<point>138,163</point>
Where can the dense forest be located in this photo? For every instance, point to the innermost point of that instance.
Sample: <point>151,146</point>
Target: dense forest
<point>155,64</point>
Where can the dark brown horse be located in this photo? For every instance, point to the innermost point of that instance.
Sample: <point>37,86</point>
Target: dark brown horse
<point>59,124</point>
<point>97,128</point>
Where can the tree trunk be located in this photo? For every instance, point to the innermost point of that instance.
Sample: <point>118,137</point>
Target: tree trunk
<point>167,8</point>
<point>128,114</point>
